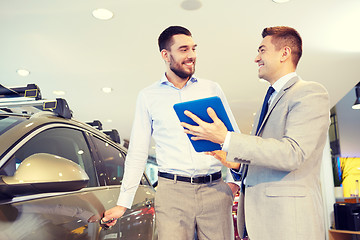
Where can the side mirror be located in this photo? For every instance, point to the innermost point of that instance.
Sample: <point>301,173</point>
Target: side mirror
<point>43,172</point>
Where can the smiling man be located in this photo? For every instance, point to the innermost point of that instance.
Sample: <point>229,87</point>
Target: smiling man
<point>191,194</point>
<point>283,155</point>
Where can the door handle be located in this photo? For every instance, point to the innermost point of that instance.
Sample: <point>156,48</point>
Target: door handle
<point>148,203</point>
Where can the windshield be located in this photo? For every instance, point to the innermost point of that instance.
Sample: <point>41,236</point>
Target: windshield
<point>7,122</point>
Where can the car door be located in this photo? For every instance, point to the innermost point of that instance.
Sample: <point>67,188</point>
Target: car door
<point>61,215</point>
<point>139,221</point>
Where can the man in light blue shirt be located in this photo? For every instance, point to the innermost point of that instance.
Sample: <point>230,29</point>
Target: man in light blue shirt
<point>191,193</point>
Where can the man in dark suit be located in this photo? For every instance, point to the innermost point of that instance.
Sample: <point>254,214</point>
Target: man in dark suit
<point>284,152</point>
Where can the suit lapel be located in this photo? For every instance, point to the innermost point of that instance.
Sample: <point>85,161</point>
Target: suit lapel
<point>286,87</point>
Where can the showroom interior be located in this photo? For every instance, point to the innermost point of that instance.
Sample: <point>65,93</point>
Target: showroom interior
<point>99,64</point>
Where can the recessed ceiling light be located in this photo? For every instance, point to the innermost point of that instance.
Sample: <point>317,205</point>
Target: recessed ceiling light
<point>108,120</point>
<point>107,89</point>
<point>102,14</point>
<point>59,92</point>
<point>191,4</point>
<point>280,1</point>
<point>23,72</point>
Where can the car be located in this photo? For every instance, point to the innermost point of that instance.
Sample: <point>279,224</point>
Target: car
<point>58,175</point>
<point>234,215</point>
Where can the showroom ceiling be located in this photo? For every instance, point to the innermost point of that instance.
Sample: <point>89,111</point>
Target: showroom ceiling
<point>67,50</point>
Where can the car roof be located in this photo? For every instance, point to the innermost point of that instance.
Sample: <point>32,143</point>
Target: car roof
<point>29,123</point>
<point>32,112</point>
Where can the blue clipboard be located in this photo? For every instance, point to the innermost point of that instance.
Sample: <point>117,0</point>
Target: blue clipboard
<point>199,108</point>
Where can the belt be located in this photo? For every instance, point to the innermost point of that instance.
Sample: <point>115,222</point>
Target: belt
<point>202,179</point>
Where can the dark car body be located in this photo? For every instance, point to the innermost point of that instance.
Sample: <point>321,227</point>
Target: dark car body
<point>44,195</point>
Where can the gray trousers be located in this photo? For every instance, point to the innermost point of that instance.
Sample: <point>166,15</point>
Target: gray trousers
<point>181,207</point>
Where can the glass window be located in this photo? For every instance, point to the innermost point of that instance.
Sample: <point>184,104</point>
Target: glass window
<point>113,160</point>
<point>151,170</point>
<point>64,142</point>
<point>7,122</point>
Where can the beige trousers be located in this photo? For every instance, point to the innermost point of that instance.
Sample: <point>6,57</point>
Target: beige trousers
<point>182,207</point>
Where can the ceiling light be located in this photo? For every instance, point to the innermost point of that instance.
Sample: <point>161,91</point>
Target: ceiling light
<point>280,1</point>
<point>23,72</point>
<point>357,93</point>
<point>191,4</point>
<point>107,89</point>
<point>59,92</point>
<point>102,14</point>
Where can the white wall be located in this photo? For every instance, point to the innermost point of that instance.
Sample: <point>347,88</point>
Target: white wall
<point>327,187</point>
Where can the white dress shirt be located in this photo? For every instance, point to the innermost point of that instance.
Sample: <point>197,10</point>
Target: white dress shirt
<point>155,116</point>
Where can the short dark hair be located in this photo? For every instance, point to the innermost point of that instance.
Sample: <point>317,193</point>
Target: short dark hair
<point>165,38</point>
<point>285,36</point>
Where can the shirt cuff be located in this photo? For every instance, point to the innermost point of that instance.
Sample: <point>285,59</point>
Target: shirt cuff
<point>226,144</point>
<point>237,175</point>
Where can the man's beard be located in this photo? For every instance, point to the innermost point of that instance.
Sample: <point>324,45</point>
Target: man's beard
<point>176,68</point>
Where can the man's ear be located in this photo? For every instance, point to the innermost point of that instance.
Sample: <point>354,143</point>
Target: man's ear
<point>165,55</point>
<point>285,54</point>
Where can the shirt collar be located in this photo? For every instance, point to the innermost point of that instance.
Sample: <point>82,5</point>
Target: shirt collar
<point>280,83</point>
<point>165,81</point>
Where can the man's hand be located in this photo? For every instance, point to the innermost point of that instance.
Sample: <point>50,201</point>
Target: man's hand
<point>221,155</point>
<point>214,132</point>
<point>234,188</point>
<point>111,215</point>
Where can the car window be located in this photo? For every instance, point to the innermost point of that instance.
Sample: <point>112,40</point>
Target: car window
<point>113,161</point>
<point>64,142</point>
<point>151,170</point>
<point>7,122</point>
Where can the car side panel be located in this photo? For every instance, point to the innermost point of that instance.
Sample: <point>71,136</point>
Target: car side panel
<point>76,216</point>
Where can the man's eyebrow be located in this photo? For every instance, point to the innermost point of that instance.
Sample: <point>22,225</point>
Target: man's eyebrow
<point>262,46</point>
<point>187,46</point>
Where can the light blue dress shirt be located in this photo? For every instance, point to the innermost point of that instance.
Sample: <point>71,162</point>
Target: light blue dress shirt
<point>155,117</point>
